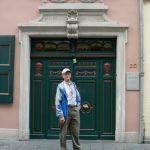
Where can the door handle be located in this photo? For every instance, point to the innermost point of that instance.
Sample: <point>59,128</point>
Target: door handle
<point>86,106</point>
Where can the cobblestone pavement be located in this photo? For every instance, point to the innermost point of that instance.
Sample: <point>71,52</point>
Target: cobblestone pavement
<point>54,145</point>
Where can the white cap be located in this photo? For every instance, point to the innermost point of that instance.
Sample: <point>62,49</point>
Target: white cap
<point>65,70</point>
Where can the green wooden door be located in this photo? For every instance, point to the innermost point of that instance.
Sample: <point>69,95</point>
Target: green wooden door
<point>95,79</point>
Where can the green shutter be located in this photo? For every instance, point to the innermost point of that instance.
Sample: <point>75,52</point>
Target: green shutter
<point>7,48</point>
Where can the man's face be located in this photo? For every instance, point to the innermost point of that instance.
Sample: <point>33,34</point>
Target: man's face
<point>67,76</point>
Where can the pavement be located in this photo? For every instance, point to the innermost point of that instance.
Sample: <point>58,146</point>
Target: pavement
<point>54,145</point>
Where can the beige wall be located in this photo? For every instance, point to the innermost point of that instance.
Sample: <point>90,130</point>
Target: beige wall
<point>147,69</point>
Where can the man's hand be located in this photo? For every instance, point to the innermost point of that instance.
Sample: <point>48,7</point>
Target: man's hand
<point>62,120</point>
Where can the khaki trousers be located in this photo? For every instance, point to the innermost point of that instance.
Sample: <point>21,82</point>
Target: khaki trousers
<point>73,124</point>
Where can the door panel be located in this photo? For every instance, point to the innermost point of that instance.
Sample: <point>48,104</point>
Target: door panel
<point>37,113</point>
<point>85,78</point>
<point>108,99</point>
<point>106,106</point>
<point>52,129</point>
<point>52,112</point>
<point>87,91</point>
<point>55,68</point>
<point>38,105</point>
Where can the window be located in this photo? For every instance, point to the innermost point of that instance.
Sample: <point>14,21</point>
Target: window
<point>7,48</point>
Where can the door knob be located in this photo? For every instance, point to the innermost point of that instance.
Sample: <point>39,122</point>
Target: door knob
<point>86,107</point>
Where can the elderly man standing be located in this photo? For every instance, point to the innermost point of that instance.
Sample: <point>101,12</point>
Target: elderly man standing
<point>67,110</point>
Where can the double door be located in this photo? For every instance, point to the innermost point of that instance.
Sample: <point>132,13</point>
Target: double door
<point>95,80</point>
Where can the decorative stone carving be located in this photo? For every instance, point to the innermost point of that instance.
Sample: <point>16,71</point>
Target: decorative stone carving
<point>88,1</point>
<point>44,1</point>
<point>64,1</point>
<point>72,24</point>
<point>58,1</point>
<point>54,1</point>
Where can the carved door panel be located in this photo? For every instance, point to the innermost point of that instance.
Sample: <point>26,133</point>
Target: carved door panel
<point>45,76</point>
<point>95,79</point>
<point>54,70</point>
<point>85,78</point>
<point>37,99</point>
<point>107,98</point>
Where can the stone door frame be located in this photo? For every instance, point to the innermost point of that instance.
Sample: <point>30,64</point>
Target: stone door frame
<point>90,23</point>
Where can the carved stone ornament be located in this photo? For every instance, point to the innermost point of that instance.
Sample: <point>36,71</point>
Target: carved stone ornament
<point>64,1</point>
<point>88,1</point>
<point>58,1</point>
<point>54,1</point>
<point>72,24</point>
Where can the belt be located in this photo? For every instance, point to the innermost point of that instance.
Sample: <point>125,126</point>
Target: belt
<point>72,106</point>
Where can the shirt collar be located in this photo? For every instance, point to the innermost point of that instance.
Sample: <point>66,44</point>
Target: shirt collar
<point>68,83</point>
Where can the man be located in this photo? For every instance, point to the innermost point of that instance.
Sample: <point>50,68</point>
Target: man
<point>67,110</point>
